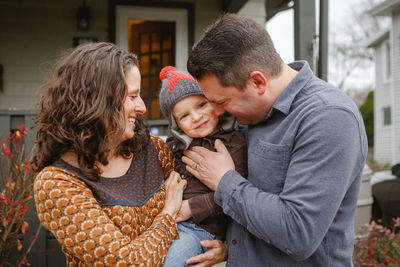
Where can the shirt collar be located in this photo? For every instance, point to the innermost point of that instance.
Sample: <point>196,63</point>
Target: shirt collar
<point>285,99</point>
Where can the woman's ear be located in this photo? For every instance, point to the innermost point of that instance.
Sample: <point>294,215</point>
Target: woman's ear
<point>259,81</point>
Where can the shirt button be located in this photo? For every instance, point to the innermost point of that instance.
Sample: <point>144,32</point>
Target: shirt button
<point>234,241</point>
<point>183,176</point>
<point>288,252</point>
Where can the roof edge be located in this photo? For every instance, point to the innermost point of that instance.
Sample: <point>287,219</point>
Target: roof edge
<point>378,38</point>
<point>385,8</point>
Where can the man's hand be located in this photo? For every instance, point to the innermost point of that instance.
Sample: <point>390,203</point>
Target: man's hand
<point>208,166</point>
<point>185,212</point>
<point>217,252</point>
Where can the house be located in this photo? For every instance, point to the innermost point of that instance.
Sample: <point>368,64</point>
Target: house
<point>34,34</point>
<point>387,92</point>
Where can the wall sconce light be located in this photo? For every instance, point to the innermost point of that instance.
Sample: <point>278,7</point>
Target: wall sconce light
<point>83,17</point>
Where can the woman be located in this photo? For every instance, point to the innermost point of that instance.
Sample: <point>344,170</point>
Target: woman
<point>101,188</point>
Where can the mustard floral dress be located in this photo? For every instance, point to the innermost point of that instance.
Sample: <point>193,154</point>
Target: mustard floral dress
<point>112,222</point>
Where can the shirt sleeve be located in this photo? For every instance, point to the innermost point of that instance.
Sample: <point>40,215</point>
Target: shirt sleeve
<point>67,208</point>
<point>165,156</point>
<point>326,159</point>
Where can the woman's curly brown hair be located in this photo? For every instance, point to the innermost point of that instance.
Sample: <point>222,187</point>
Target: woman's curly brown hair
<point>81,107</point>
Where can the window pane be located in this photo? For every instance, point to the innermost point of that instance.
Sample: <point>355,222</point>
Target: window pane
<point>145,87</point>
<point>167,44</point>
<point>144,65</point>
<point>155,110</point>
<point>155,42</point>
<point>156,85</point>
<point>387,116</point>
<point>144,43</point>
<point>167,61</point>
<point>155,64</point>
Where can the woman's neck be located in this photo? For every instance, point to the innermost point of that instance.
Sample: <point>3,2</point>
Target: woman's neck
<point>71,158</point>
<point>116,167</point>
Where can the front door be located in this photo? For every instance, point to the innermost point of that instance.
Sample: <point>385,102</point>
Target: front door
<point>154,43</point>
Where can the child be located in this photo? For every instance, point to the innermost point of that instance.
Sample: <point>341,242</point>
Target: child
<point>193,122</point>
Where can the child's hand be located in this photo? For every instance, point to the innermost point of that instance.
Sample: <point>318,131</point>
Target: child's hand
<point>184,213</point>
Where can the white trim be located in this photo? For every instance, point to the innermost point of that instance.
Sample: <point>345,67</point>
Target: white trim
<point>178,15</point>
<point>378,38</point>
<point>385,8</point>
<point>387,59</point>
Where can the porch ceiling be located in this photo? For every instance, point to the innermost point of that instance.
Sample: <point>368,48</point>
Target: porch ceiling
<point>272,6</point>
<point>275,6</point>
<point>232,6</point>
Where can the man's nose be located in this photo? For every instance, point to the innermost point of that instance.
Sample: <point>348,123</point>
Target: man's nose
<point>218,109</point>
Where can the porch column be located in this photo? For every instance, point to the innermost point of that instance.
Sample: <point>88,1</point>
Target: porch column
<point>395,55</point>
<point>304,32</point>
<point>323,39</point>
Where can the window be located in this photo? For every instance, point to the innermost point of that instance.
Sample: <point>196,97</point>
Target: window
<point>387,116</point>
<point>154,43</point>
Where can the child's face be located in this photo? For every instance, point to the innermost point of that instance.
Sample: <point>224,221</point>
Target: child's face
<point>195,116</point>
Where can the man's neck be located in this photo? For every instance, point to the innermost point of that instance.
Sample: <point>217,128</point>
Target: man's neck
<point>279,83</point>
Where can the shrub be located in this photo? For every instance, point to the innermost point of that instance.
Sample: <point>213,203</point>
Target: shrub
<point>367,112</point>
<point>378,245</point>
<point>17,175</point>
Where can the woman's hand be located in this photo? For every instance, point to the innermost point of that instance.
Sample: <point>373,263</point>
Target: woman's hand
<point>174,192</point>
<point>217,252</point>
<point>185,212</point>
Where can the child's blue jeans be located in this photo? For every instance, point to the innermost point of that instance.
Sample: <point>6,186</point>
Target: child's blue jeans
<point>188,244</point>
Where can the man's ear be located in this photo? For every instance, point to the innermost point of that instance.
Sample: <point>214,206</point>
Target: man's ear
<point>259,81</point>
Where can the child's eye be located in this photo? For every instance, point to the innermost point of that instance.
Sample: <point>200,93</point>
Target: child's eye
<point>183,116</point>
<point>202,104</point>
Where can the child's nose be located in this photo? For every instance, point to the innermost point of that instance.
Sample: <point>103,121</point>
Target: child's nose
<point>196,116</point>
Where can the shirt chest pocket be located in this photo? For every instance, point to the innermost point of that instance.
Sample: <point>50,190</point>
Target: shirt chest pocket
<point>268,165</point>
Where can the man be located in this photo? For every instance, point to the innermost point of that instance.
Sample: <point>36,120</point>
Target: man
<point>306,151</point>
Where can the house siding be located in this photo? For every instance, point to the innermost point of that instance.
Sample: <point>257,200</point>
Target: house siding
<point>33,34</point>
<point>382,133</point>
<point>206,12</point>
<point>254,9</point>
<point>396,88</point>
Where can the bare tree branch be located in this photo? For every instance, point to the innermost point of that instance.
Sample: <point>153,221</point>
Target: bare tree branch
<point>348,51</point>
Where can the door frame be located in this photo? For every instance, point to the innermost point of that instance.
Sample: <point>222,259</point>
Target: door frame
<point>180,13</point>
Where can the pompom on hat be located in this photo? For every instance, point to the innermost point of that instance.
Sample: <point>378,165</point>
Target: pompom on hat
<point>175,86</point>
